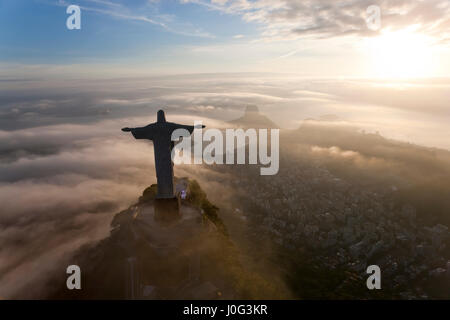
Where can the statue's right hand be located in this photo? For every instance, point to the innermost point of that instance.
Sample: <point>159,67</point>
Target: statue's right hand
<point>126,129</point>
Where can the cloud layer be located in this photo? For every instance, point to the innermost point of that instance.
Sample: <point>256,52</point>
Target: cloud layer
<point>288,19</point>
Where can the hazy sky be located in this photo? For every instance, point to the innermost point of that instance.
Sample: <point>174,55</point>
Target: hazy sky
<point>320,38</point>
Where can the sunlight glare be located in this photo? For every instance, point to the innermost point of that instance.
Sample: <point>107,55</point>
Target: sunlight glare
<point>401,54</point>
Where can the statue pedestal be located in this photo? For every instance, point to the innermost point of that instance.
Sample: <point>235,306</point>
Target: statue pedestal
<point>167,210</point>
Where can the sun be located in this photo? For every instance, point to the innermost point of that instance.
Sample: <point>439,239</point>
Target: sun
<point>401,54</point>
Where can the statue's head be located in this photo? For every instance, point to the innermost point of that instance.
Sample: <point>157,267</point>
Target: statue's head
<point>161,117</point>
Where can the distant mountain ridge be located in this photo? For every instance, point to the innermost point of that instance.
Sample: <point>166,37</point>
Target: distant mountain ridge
<point>252,118</point>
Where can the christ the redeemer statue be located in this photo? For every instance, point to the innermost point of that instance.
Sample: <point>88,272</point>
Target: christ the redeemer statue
<point>160,133</point>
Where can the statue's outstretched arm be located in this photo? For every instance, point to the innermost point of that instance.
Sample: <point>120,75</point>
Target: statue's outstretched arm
<point>188,128</point>
<point>141,133</point>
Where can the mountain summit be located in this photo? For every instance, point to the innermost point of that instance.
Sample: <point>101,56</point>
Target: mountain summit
<point>252,118</point>
<point>191,258</point>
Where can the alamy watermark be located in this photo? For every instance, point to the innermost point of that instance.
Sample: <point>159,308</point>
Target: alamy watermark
<point>373,17</point>
<point>230,149</point>
<point>74,280</point>
<point>74,20</point>
<point>374,280</point>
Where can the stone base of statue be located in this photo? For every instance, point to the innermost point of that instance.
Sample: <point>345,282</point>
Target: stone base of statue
<point>167,210</point>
